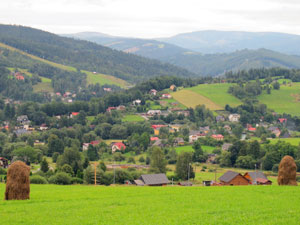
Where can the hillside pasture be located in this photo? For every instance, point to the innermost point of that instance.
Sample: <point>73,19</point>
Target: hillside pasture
<point>292,141</point>
<point>191,99</point>
<point>80,204</point>
<point>43,87</point>
<point>132,118</point>
<point>285,100</point>
<point>189,148</point>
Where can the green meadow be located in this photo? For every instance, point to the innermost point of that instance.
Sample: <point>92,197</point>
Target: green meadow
<point>285,100</point>
<point>132,118</point>
<point>292,141</point>
<point>80,204</point>
<point>189,148</point>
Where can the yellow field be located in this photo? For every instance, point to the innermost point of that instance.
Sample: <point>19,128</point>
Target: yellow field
<point>192,99</point>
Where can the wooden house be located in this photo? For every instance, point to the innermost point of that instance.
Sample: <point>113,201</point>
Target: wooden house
<point>152,180</point>
<point>257,178</point>
<point>233,178</point>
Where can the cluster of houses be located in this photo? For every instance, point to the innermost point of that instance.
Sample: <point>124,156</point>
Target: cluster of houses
<point>115,146</point>
<point>18,76</point>
<point>118,108</point>
<point>66,97</point>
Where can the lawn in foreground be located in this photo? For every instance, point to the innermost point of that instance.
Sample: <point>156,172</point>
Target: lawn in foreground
<point>52,204</point>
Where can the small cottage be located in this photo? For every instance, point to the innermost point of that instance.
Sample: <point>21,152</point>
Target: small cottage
<point>152,180</point>
<point>257,177</point>
<point>233,178</point>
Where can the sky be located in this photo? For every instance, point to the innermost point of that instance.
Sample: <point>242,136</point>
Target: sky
<point>153,18</point>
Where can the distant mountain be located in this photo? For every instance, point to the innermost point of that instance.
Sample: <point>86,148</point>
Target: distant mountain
<point>86,55</point>
<point>204,64</point>
<point>143,47</point>
<point>211,41</point>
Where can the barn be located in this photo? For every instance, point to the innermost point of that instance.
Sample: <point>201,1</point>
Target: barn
<point>233,178</point>
<point>152,180</point>
<point>259,177</point>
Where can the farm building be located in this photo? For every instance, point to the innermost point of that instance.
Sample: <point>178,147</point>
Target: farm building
<point>173,87</point>
<point>259,177</point>
<point>3,162</point>
<point>233,178</point>
<point>152,180</point>
<point>153,92</point>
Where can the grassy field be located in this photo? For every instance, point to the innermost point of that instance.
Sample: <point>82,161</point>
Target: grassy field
<point>292,141</point>
<point>91,78</point>
<point>168,103</point>
<point>43,87</point>
<point>132,118</point>
<point>189,148</point>
<point>213,96</point>
<point>285,100</point>
<point>50,204</point>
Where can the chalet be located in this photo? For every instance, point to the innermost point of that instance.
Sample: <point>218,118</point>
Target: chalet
<point>227,128</point>
<point>173,87</point>
<point>85,146</point>
<point>166,96</point>
<point>118,146</point>
<point>3,162</point>
<point>234,117</point>
<point>109,109</point>
<point>153,92</point>
<point>233,178</point>
<point>153,112</point>
<point>226,146</point>
<point>218,137</point>
<point>195,135</point>
<point>257,178</point>
<point>175,127</point>
<point>19,77</point>
<point>152,180</point>
<point>204,129</point>
<point>220,119</point>
<point>154,138</point>
<point>157,127</point>
<point>178,141</point>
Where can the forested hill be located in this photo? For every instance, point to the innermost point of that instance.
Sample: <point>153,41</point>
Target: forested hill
<point>86,55</point>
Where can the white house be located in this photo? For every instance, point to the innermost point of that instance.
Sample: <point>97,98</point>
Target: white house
<point>234,117</point>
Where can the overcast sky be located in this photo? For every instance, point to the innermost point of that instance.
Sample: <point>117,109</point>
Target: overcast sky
<point>153,18</point>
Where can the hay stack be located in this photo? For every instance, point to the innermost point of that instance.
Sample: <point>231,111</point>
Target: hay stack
<point>18,183</point>
<point>287,171</point>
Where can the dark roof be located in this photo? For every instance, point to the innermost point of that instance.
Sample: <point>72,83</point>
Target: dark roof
<point>154,179</point>
<point>257,175</point>
<point>228,176</point>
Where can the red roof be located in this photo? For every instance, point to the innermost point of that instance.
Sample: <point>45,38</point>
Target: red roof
<point>75,113</point>
<point>95,143</point>
<point>154,138</point>
<point>262,180</point>
<point>120,145</point>
<point>252,129</point>
<point>110,108</point>
<point>282,120</point>
<point>217,136</point>
<point>20,77</point>
<point>158,126</point>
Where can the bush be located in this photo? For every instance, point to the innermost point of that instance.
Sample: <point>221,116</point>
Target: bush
<point>3,171</point>
<point>55,156</point>
<point>37,179</point>
<point>67,169</point>
<point>76,180</point>
<point>60,178</point>
<point>298,165</point>
<point>275,168</point>
<point>131,160</point>
<point>141,159</point>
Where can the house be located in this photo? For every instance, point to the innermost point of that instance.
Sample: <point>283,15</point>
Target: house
<point>233,178</point>
<point>153,112</point>
<point>250,128</point>
<point>275,130</point>
<point>137,102</point>
<point>195,135</point>
<point>118,146</point>
<point>85,146</point>
<point>159,143</point>
<point>153,92</point>
<point>121,108</point>
<point>152,180</point>
<point>173,87</point>
<point>282,120</point>
<point>211,158</point>
<point>204,129</point>
<point>73,114</point>
<point>166,96</point>
<point>179,141</point>
<point>234,117</point>
<point>227,128</point>
<point>109,109</point>
<point>107,89</point>
<point>23,120</point>
<point>157,127</point>
<point>226,146</point>
<point>218,137</point>
<point>220,119</point>
<point>176,127</point>
<point>183,112</point>
<point>43,127</point>
<point>58,94</point>
<point>20,77</point>
<point>154,138</point>
<point>257,178</point>
<point>38,143</point>
<point>3,162</point>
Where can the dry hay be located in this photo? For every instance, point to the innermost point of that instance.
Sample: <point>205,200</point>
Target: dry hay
<point>287,171</point>
<point>18,183</point>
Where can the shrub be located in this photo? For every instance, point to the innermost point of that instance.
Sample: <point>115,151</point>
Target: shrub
<point>131,160</point>
<point>55,156</point>
<point>37,179</point>
<point>275,168</point>
<point>141,159</point>
<point>60,178</point>
<point>67,169</point>
<point>3,171</point>
<point>76,180</point>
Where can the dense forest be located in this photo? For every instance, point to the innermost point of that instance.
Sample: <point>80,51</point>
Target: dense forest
<point>86,55</point>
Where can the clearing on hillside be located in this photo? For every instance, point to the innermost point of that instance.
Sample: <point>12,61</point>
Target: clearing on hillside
<point>285,100</point>
<point>192,99</point>
<point>80,204</point>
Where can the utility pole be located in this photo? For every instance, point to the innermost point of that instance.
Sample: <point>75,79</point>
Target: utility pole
<point>216,174</point>
<point>114,173</point>
<point>255,182</point>
<point>189,171</point>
